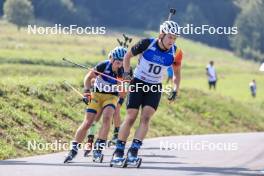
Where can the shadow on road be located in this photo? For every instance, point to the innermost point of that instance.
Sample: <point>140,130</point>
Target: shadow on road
<point>203,170</point>
<point>72,164</point>
<point>197,170</point>
<point>157,156</point>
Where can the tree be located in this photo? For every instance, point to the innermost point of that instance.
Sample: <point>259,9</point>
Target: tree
<point>194,15</point>
<point>249,42</point>
<point>1,7</point>
<point>18,12</point>
<point>55,11</point>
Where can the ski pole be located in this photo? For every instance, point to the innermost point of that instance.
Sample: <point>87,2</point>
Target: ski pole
<point>75,90</point>
<point>91,69</point>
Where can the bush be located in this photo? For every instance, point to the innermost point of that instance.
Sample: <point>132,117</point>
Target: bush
<point>19,12</point>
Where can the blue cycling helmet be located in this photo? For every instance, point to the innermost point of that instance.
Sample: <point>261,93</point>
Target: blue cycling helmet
<point>118,53</point>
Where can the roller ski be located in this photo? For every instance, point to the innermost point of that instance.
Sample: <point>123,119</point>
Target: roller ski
<point>118,159</point>
<point>70,156</point>
<point>133,159</point>
<point>98,157</point>
<point>89,145</point>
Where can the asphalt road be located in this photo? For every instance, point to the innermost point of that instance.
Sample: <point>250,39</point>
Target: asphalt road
<point>221,154</point>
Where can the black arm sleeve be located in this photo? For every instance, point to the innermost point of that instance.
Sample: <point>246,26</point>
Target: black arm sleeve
<point>100,67</point>
<point>141,46</point>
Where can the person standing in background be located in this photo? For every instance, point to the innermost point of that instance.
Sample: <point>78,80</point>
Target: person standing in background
<point>253,88</point>
<point>211,74</point>
<point>261,68</point>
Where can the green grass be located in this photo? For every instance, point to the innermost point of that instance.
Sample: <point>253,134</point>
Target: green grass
<point>35,105</point>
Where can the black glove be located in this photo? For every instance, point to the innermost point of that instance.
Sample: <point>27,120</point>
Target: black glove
<point>120,101</point>
<point>86,97</point>
<point>172,96</point>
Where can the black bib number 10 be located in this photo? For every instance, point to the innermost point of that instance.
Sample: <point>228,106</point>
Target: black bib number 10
<point>154,69</point>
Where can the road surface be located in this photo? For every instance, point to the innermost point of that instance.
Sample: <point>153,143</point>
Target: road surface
<point>240,154</point>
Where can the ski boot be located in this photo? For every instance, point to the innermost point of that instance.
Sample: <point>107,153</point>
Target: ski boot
<point>70,156</point>
<point>98,157</point>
